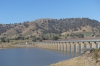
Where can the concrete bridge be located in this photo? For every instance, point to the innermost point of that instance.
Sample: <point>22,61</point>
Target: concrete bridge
<point>72,45</point>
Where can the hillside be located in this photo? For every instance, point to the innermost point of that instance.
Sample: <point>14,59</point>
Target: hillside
<point>40,27</point>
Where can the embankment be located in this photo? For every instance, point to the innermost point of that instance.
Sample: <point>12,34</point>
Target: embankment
<point>2,46</point>
<point>88,59</point>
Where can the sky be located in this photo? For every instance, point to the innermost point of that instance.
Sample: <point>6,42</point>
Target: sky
<point>16,11</point>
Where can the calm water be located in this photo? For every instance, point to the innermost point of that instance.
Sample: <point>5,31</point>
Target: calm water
<point>32,57</point>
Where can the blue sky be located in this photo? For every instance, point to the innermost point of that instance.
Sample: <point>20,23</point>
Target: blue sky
<point>15,11</point>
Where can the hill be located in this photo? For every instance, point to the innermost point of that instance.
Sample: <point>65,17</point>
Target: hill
<point>67,27</point>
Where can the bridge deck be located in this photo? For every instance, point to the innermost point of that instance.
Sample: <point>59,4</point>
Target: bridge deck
<point>93,40</point>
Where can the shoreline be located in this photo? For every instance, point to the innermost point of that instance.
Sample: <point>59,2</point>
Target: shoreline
<point>65,62</point>
<point>87,59</point>
<point>15,46</point>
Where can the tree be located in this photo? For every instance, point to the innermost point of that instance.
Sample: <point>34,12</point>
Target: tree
<point>40,40</point>
<point>55,38</point>
<point>3,39</point>
<point>80,35</point>
<point>34,39</point>
<point>20,38</point>
<point>7,40</point>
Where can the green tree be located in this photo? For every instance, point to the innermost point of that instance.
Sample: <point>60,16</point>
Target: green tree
<point>80,35</point>
<point>3,39</point>
<point>34,39</point>
<point>55,37</point>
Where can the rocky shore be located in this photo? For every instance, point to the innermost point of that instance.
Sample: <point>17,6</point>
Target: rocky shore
<point>90,58</point>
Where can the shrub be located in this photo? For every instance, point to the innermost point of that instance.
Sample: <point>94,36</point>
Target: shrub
<point>55,38</point>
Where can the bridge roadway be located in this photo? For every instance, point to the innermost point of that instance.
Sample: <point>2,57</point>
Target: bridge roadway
<point>69,45</point>
<point>91,40</point>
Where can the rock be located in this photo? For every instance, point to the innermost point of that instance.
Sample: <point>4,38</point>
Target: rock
<point>87,52</point>
<point>98,64</point>
<point>98,60</point>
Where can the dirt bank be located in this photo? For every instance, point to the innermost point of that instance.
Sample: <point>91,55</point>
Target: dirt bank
<point>88,59</point>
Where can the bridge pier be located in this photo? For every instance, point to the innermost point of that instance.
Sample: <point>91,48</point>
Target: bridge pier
<point>56,46</point>
<point>77,47</point>
<point>87,45</point>
<point>65,46</point>
<point>72,46</point>
<point>62,46</point>
<point>68,46</point>
<point>93,45</point>
<point>49,46</point>
<point>53,46</point>
<point>59,46</point>
<point>82,47</point>
<point>98,45</point>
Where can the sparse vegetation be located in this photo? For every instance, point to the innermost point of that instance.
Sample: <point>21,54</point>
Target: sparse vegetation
<point>46,29</point>
<point>97,53</point>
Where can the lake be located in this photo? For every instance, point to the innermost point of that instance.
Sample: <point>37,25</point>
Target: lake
<point>32,57</point>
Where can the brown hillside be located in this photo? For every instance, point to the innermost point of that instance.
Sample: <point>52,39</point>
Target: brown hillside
<point>55,26</point>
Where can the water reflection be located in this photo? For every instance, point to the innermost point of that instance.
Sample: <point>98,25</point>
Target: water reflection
<point>68,53</point>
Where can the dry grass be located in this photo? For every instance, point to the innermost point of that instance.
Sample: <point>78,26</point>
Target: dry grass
<point>96,55</point>
<point>13,43</point>
<point>84,60</point>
